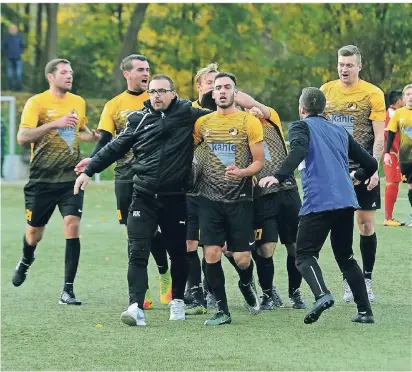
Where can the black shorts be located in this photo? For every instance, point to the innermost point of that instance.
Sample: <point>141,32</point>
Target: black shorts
<point>406,170</point>
<point>368,200</point>
<point>227,222</point>
<point>124,193</point>
<point>277,215</point>
<point>192,223</point>
<point>42,198</point>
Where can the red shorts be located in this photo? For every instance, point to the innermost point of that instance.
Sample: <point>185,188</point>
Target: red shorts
<point>393,172</point>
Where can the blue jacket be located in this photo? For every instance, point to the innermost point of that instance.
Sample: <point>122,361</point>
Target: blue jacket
<point>13,46</point>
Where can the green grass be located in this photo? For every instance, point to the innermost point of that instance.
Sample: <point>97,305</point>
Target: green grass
<point>38,334</point>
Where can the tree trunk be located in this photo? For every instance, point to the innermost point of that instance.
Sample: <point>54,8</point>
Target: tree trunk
<point>129,44</point>
<point>119,20</point>
<point>51,36</point>
<point>38,73</point>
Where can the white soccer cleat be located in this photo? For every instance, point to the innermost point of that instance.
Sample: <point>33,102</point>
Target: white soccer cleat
<point>347,292</point>
<point>177,310</point>
<point>133,316</point>
<point>371,295</point>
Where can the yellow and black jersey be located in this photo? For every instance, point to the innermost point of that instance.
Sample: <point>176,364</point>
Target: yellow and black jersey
<point>401,122</point>
<point>113,120</point>
<point>226,140</point>
<point>54,156</point>
<point>275,153</point>
<point>355,109</point>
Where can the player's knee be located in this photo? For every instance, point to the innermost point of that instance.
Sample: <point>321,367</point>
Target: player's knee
<point>71,226</point>
<point>34,235</point>
<point>242,259</point>
<point>192,245</point>
<point>366,227</point>
<point>212,253</point>
<point>266,250</point>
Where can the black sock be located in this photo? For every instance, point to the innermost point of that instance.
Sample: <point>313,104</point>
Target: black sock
<point>265,271</point>
<point>206,286</point>
<point>233,262</point>
<point>194,277</point>
<point>246,275</point>
<point>159,253</point>
<point>310,270</point>
<point>368,250</point>
<point>216,279</point>
<point>294,276</point>
<point>71,262</point>
<point>28,252</point>
<point>410,196</point>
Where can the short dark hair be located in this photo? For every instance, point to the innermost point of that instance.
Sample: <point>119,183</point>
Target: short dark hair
<point>127,65</point>
<point>51,66</point>
<point>164,77</point>
<point>313,100</point>
<point>349,51</point>
<point>394,95</point>
<point>226,74</point>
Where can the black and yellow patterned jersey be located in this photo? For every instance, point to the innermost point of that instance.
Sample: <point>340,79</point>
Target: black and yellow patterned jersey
<point>113,120</point>
<point>355,109</point>
<point>226,140</point>
<point>401,122</point>
<point>275,153</point>
<point>54,156</point>
<point>196,165</point>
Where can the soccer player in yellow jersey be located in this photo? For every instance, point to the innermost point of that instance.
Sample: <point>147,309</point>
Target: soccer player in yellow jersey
<point>197,300</point>
<point>359,107</point>
<point>234,153</point>
<point>113,119</point>
<point>53,122</point>
<point>401,122</point>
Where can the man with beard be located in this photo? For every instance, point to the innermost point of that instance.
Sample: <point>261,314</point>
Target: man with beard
<point>53,122</point>
<point>233,153</point>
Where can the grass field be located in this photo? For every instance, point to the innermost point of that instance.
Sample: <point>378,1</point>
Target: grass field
<point>39,334</point>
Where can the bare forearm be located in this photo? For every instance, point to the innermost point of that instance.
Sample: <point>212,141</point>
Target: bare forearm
<point>253,168</point>
<point>30,135</point>
<point>86,136</point>
<point>378,148</point>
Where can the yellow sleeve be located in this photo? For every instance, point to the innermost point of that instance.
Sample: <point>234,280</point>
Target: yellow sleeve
<point>106,119</point>
<point>393,123</point>
<point>274,117</point>
<point>30,115</point>
<point>254,130</point>
<point>197,138</point>
<point>378,112</point>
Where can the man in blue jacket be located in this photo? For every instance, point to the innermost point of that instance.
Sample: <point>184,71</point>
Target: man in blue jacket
<point>322,150</point>
<point>13,48</point>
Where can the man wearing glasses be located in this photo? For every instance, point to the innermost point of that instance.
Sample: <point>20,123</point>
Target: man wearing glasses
<point>160,136</point>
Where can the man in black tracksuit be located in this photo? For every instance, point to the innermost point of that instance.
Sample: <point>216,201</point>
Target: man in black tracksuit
<point>161,137</point>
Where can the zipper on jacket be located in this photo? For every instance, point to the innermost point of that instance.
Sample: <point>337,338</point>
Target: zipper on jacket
<point>159,171</point>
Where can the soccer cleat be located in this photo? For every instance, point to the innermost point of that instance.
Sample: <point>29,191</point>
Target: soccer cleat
<point>148,302</point>
<point>217,319</point>
<point>363,317</point>
<point>68,298</point>
<point>195,308</point>
<point>392,222</point>
<point>323,303</point>
<point>347,292</point>
<point>133,316</point>
<point>296,300</point>
<point>165,288</point>
<point>20,273</point>
<point>251,297</point>
<point>371,295</point>
<point>267,302</point>
<point>276,298</point>
<point>177,310</point>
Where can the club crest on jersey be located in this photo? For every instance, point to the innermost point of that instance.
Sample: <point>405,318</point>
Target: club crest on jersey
<point>352,106</point>
<point>233,131</point>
